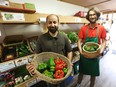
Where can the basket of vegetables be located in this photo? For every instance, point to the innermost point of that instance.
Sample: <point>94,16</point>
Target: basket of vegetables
<point>91,49</point>
<point>52,67</point>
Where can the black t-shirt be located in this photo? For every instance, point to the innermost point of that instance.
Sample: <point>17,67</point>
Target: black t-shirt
<point>59,44</point>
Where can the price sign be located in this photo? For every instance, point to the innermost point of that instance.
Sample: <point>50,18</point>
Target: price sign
<point>32,82</point>
<point>7,66</point>
<point>21,61</point>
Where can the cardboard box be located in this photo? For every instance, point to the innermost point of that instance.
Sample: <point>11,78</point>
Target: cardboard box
<point>4,2</point>
<point>29,6</point>
<point>80,14</point>
<point>12,40</point>
<point>16,5</point>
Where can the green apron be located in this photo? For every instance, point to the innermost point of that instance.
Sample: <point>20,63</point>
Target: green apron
<point>89,66</point>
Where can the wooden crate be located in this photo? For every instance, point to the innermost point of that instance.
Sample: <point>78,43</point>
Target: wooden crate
<point>24,49</point>
<point>13,40</point>
<point>32,43</point>
<point>26,83</point>
<point>8,53</point>
<point>15,5</point>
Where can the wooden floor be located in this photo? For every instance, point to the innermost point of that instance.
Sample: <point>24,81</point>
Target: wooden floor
<point>107,76</point>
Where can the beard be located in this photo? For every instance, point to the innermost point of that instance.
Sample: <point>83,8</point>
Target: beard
<point>53,29</point>
<point>92,21</point>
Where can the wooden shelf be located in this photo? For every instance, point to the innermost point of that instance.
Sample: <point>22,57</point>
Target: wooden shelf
<point>72,19</point>
<point>29,18</point>
<point>10,9</point>
<point>34,19</point>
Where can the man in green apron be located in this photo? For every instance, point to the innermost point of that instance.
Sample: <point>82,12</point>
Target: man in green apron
<point>92,32</point>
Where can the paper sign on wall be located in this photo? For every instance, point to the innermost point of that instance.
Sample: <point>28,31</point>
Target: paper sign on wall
<point>21,61</point>
<point>7,16</point>
<point>6,66</point>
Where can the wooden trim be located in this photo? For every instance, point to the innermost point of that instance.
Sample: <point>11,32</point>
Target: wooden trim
<point>10,9</point>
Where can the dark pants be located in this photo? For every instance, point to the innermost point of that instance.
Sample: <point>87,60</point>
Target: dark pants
<point>45,84</point>
<point>62,84</point>
<point>40,84</point>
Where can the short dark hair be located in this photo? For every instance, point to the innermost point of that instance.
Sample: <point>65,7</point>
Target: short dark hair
<point>51,15</point>
<point>96,10</point>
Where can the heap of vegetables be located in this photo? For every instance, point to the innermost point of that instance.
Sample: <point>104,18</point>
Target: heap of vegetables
<point>23,50</point>
<point>90,48</point>
<point>73,37</point>
<point>53,68</point>
<point>63,33</point>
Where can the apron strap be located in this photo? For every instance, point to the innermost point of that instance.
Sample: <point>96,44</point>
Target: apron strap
<point>87,31</point>
<point>97,31</point>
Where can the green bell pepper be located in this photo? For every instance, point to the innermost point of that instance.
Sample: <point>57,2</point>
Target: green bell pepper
<point>48,73</point>
<point>65,70</point>
<point>51,62</point>
<point>52,68</point>
<point>42,66</point>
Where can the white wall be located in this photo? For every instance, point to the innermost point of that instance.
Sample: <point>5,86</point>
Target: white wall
<point>53,6</point>
<point>42,6</point>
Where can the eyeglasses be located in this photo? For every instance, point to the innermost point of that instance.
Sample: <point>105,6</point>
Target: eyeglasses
<point>92,14</point>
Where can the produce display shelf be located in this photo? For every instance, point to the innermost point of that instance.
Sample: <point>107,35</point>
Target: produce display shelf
<point>15,63</point>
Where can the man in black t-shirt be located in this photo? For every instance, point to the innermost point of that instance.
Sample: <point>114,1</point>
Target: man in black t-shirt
<point>52,41</point>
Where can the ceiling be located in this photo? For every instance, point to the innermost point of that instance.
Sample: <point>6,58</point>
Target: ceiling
<point>102,5</point>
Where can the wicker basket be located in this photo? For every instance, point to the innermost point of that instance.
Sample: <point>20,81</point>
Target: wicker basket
<point>92,54</point>
<point>44,56</point>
